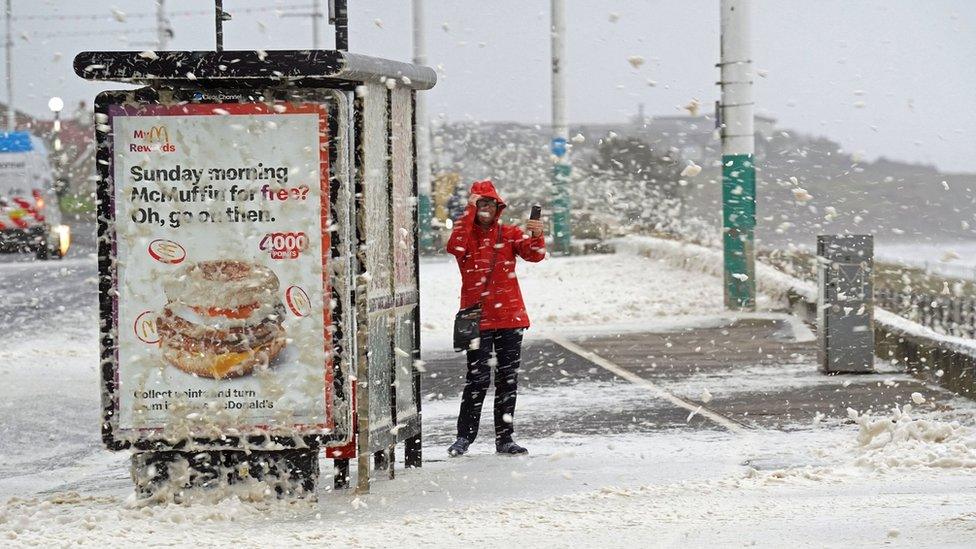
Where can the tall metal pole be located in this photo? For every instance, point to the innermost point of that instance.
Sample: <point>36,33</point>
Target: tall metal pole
<point>316,14</point>
<point>424,213</point>
<point>162,26</point>
<point>339,17</point>
<point>561,229</point>
<point>11,116</point>
<point>738,147</point>
<point>60,182</point>
<point>219,23</point>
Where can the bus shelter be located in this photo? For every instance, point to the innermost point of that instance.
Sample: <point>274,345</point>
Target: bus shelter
<point>259,298</point>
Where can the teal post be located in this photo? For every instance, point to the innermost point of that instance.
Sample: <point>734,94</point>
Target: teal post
<point>424,218</point>
<point>561,228</point>
<point>738,230</point>
<point>562,231</point>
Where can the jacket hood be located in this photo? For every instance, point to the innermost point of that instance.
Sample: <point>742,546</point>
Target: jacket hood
<point>487,189</point>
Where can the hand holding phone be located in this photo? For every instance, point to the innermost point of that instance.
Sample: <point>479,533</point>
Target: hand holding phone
<point>535,221</point>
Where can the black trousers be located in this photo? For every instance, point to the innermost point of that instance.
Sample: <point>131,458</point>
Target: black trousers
<point>503,349</point>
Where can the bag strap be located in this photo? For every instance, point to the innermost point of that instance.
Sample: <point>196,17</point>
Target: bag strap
<point>494,256</point>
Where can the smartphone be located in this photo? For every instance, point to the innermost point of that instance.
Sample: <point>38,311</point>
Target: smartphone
<point>536,212</point>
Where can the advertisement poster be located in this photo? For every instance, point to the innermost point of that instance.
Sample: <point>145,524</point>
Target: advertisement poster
<point>222,233</point>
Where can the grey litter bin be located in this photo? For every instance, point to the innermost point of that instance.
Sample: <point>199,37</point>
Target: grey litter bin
<point>845,303</point>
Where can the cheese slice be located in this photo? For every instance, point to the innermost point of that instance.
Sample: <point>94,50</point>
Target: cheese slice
<point>193,316</point>
<point>226,362</point>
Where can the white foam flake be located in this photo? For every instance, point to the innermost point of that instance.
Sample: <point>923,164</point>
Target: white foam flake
<point>801,195</point>
<point>691,170</point>
<point>949,255</point>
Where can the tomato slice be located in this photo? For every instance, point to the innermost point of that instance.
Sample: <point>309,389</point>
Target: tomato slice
<point>237,313</point>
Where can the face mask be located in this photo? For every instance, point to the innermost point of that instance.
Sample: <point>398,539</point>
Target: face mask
<point>485,217</point>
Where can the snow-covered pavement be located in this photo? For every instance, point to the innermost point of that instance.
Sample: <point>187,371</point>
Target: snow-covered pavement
<point>612,463</point>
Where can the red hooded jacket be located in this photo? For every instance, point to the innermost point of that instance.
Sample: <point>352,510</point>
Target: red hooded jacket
<point>473,247</point>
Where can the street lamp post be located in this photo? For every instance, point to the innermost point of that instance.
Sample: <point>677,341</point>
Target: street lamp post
<point>11,114</point>
<point>57,105</point>
<point>424,214</point>
<point>738,147</point>
<point>562,169</point>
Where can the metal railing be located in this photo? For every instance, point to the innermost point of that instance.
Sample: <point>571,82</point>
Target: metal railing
<point>950,315</point>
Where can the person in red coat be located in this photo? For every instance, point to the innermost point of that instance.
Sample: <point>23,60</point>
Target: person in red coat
<point>477,240</point>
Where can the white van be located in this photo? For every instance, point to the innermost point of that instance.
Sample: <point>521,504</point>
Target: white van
<point>30,217</point>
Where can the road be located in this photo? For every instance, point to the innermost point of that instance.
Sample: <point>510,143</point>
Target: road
<point>47,296</point>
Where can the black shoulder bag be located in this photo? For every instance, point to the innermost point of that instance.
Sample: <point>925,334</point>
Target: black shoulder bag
<point>467,322</point>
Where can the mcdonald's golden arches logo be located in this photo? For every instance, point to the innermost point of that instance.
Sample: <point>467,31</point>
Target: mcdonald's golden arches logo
<point>155,138</point>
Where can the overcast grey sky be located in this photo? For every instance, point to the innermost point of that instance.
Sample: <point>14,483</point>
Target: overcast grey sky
<point>911,64</point>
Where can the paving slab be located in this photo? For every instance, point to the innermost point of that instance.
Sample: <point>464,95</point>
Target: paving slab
<point>757,373</point>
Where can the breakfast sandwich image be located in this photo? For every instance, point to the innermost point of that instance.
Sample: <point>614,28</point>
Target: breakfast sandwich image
<point>222,318</point>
